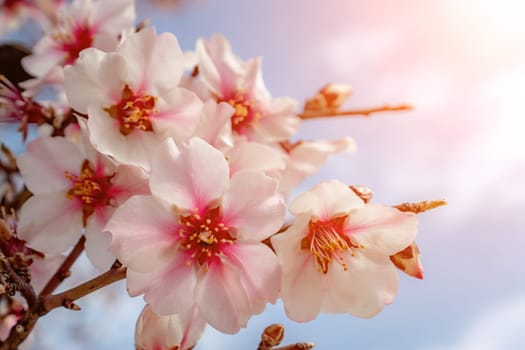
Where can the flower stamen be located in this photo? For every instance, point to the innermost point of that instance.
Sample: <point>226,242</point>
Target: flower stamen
<point>90,188</point>
<point>326,242</point>
<point>245,114</point>
<point>204,236</point>
<point>133,112</point>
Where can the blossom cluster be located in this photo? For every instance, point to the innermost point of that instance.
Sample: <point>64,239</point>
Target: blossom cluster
<point>180,165</point>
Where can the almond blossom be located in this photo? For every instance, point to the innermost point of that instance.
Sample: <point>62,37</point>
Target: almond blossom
<point>335,256</point>
<point>197,239</point>
<point>257,116</point>
<point>85,23</point>
<point>13,12</point>
<point>178,331</point>
<point>132,97</point>
<point>75,190</point>
<point>305,158</point>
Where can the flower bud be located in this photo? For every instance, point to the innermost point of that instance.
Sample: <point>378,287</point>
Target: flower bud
<point>408,261</point>
<point>331,97</point>
<point>179,331</point>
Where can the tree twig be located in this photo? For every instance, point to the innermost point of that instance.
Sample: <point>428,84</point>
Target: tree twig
<point>366,112</point>
<point>67,298</point>
<point>63,271</point>
<point>296,346</point>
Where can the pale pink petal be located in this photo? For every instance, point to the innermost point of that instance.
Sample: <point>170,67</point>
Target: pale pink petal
<point>219,67</point>
<point>257,157</point>
<point>253,82</point>
<point>179,114</point>
<point>144,232</point>
<point>302,289</point>
<point>82,83</point>
<point>221,298</point>
<point>307,158</point>
<point>253,206</point>
<point>180,331</point>
<point>369,283</point>
<point>44,57</point>
<point>302,286</point>
<point>192,179</point>
<point>129,180</point>
<point>155,61</point>
<point>97,242</point>
<point>278,122</point>
<point>327,199</point>
<point>50,223</point>
<point>134,149</point>
<point>46,161</point>
<point>168,290</point>
<point>113,16</point>
<point>260,272</point>
<point>287,244</point>
<point>381,228</point>
<point>214,126</point>
<point>197,86</point>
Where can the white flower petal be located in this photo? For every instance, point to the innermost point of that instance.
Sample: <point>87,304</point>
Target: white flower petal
<point>144,233</point>
<point>97,242</point>
<point>381,228</point>
<point>155,61</point>
<point>253,206</point>
<point>50,223</point>
<point>81,81</point>
<point>328,199</point>
<point>168,290</point>
<point>192,179</point>
<point>45,163</point>
<point>222,299</point>
<point>369,283</point>
<point>260,272</point>
<point>257,157</point>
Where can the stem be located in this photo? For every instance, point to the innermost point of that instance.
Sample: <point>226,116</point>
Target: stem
<point>362,112</point>
<point>24,287</point>
<point>296,346</point>
<point>66,299</point>
<point>420,207</point>
<point>63,271</point>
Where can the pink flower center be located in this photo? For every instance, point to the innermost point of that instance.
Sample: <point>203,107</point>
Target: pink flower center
<point>203,236</point>
<point>73,40</point>
<point>326,242</point>
<point>245,114</point>
<point>90,188</point>
<point>133,112</point>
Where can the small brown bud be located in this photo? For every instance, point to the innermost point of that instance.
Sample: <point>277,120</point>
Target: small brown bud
<point>363,192</point>
<point>408,261</point>
<point>271,337</point>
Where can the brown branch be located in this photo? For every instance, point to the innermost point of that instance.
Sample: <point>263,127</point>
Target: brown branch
<point>420,207</point>
<point>356,112</point>
<point>296,346</point>
<point>23,286</point>
<point>64,270</point>
<point>67,298</point>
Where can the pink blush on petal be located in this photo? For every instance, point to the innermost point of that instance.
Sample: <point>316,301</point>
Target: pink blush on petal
<point>80,38</point>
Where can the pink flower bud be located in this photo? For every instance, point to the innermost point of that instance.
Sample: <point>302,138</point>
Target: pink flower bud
<point>408,261</point>
<point>180,331</point>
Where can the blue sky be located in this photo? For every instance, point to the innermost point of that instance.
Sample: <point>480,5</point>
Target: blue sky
<point>461,64</point>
